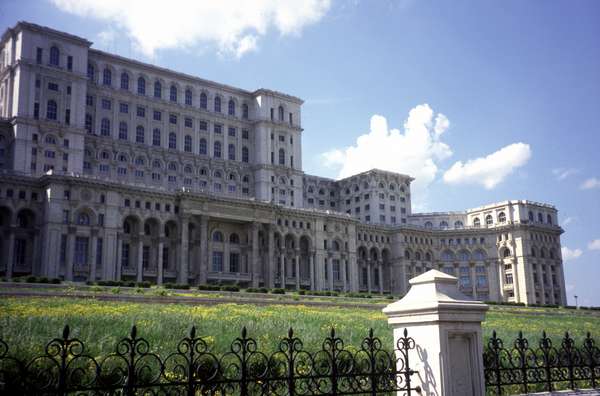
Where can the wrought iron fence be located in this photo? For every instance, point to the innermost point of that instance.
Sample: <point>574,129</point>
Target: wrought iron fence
<point>133,368</point>
<point>522,369</point>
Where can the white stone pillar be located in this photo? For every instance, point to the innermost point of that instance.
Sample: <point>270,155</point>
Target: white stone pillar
<point>255,263</point>
<point>203,250</point>
<point>446,327</point>
<point>184,258</point>
<point>92,256</point>
<point>311,263</point>
<point>70,254</point>
<point>369,276</point>
<point>380,275</point>
<point>344,264</point>
<point>297,264</point>
<point>270,282</point>
<point>282,270</point>
<point>140,259</point>
<point>330,273</point>
<point>118,266</point>
<point>10,258</point>
<point>159,261</point>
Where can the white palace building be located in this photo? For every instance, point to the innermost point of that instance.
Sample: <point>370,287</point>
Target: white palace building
<point>111,168</point>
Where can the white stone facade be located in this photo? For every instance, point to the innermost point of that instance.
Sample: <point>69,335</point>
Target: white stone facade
<point>117,169</point>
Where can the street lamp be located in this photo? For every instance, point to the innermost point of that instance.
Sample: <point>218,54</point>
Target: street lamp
<point>576,306</point>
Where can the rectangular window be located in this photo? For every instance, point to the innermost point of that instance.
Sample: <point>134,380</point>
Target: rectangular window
<point>70,63</point>
<point>68,116</point>
<point>89,100</point>
<point>63,249</point>
<point>508,279</point>
<point>245,134</point>
<point>234,262</point>
<point>217,261</point>
<point>157,115</point>
<point>106,104</point>
<point>53,86</point>
<point>203,126</point>
<point>188,122</point>
<point>231,131</point>
<point>141,111</point>
<point>172,118</point>
<point>124,254</point>
<point>99,247</point>
<point>38,56</point>
<point>124,108</point>
<point>81,251</point>
<point>218,128</point>
<point>36,110</point>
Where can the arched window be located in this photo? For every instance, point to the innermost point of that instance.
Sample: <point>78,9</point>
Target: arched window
<point>141,86</point>
<point>105,127</point>
<point>83,219</point>
<point>245,154</point>
<point>506,252</point>
<point>122,157</point>
<point>427,256</point>
<point>172,140</point>
<point>156,137</point>
<point>54,56</point>
<point>245,111</point>
<point>173,166</point>
<point>281,113</point>
<point>501,217</point>
<point>447,255</point>
<point>549,219</point>
<point>428,225</point>
<point>530,215</point>
<point>217,174</point>
<point>281,157</point>
<point>464,255</point>
<point>540,218</point>
<point>458,224</point>
<point>217,150</point>
<point>231,152</point>
<point>202,149</point>
<point>187,144</point>
<point>533,252</point>
<point>443,224</point>
<point>51,110</point>
<point>187,169</point>
<point>188,97</point>
<point>203,101</point>
<point>417,255</point>
<point>552,254</point>
<point>217,236</point>
<point>124,81</point>
<point>407,255</point>
<point>231,107</point>
<point>246,179</point>
<point>139,134</point>
<point>123,130</point>
<point>126,228</point>
<point>90,71</point>
<point>107,77</point>
<point>173,93</point>
<point>50,139</point>
<point>479,255</point>
<point>156,164</point>
<point>139,161</point>
<point>217,104</point>
<point>476,222</point>
<point>234,238</point>
<point>157,89</point>
<point>489,220</point>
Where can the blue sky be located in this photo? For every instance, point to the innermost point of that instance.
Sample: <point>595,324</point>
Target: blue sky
<point>500,74</point>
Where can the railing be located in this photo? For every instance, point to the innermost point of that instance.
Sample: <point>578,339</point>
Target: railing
<point>523,369</point>
<point>193,369</point>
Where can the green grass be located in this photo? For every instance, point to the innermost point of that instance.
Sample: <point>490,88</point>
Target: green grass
<point>27,324</point>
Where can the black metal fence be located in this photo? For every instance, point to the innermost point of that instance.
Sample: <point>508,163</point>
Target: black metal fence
<point>520,368</point>
<point>193,369</point>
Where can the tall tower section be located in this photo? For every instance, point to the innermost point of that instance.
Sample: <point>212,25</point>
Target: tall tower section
<point>278,148</point>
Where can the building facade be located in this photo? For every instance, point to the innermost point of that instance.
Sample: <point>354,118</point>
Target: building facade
<point>111,168</point>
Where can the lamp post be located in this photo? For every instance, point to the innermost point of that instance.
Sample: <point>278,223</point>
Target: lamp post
<point>576,306</point>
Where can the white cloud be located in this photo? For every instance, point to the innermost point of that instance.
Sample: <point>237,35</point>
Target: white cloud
<point>232,26</point>
<point>491,170</point>
<point>594,245</point>
<point>568,221</point>
<point>568,254</point>
<point>563,173</point>
<point>414,151</point>
<point>590,183</point>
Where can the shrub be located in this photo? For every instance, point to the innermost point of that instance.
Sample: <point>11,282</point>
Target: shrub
<point>278,291</point>
<point>43,279</point>
<point>89,283</point>
<point>115,290</point>
<point>31,279</point>
<point>129,284</point>
<point>144,284</point>
<point>209,287</point>
<point>230,288</point>
<point>301,292</point>
<point>170,285</point>
<point>55,281</point>
<point>257,290</point>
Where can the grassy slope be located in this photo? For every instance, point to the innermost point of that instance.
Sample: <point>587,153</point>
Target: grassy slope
<point>26,324</point>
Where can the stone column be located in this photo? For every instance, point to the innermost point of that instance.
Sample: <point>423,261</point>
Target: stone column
<point>10,257</point>
<point>203,271</point>
<point>92,256</point>
<point>34,250</point>
<point>297,264</point>
<point>446,328</point>
<point>330,272</point>
<point>380,273</point>
<point>70,253</point>
<point>282,270</point>
<point>311,264</point>
<point>184,256</point>
<point>140,259</point>
<point>368,275</point>
<point>270,281</point>
<point>254,256</point>
<point>159,261</point>
<point>119,258</point>
<point>473,280</point>
<point>344,264</point>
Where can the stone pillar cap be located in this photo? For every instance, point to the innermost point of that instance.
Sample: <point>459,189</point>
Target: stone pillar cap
<point>434,295</point>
